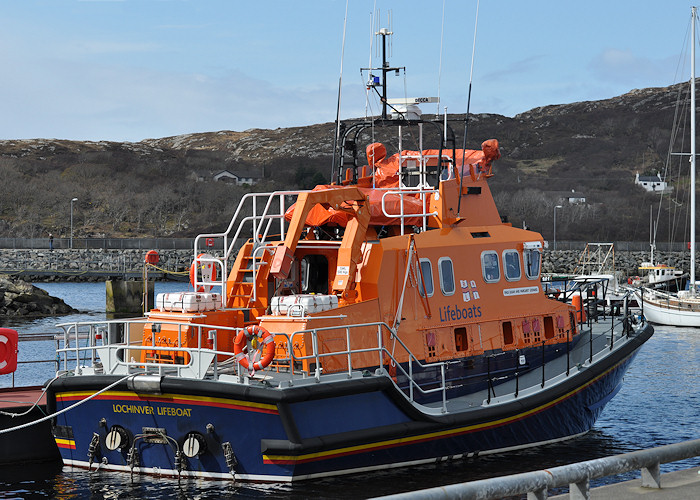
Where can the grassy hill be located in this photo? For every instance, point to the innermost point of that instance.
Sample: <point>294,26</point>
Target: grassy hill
<point>165,187</point>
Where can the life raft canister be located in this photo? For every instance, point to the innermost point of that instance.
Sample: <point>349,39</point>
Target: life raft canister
<point>207,272</point>
<point>261,348</point>
<point>8,350</point>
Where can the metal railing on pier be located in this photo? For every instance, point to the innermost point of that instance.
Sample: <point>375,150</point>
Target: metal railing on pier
<point>576,476</point>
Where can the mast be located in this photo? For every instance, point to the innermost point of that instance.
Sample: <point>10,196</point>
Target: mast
<point>692,153</point>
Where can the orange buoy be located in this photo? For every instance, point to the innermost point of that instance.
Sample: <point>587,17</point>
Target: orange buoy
<point>152,257</point>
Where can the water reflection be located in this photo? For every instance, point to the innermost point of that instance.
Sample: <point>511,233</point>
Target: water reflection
<point>658,404</point>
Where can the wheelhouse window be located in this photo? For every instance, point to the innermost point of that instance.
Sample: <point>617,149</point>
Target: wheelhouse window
<point>489,267</point>
<point>511,265</point>
<point>427,270</point>
<point>533,258</point>
<point>314,274</point>
<point>447,276</point>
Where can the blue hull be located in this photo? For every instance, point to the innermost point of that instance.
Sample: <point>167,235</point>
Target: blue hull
<point>317,430</point>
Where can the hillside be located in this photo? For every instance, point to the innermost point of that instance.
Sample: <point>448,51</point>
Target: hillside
<point>163,187</point>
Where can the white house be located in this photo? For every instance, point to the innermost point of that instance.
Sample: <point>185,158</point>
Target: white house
<point>571,197</point>
<point>227,176</point>
<point>653,183</point>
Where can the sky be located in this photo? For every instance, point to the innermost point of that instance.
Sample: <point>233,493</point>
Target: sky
<point>127,70</point>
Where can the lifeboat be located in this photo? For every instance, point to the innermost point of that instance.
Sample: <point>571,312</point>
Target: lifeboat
<point>389,318</point>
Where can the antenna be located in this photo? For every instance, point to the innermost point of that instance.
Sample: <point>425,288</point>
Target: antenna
<point>340,86</point>
<point>391,30</point>
<point>466,116</point>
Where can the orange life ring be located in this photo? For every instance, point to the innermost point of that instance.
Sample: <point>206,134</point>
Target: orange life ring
<point>207,272</point>
<point>258,336</point>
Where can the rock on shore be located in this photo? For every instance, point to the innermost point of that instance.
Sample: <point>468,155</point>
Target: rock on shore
<point>18,298</point>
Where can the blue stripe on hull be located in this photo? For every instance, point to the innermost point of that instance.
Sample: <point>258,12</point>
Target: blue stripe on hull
<point>244,429</point>
<point>570,417</point>
<point>230,425</point>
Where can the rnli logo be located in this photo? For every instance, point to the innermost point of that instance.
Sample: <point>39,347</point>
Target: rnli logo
<point>469,291</point>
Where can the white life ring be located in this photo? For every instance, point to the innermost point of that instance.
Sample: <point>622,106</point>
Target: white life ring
<point>207,271</point>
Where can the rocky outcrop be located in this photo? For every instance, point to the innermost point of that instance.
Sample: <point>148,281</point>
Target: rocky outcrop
<point>18,298</point>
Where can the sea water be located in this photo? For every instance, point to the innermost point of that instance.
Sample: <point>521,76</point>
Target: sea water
<point>659,404</point>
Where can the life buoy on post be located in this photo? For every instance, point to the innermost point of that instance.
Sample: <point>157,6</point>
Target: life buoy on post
<point>207,271</point>
<point>8,350</point>
<point>260,348</point>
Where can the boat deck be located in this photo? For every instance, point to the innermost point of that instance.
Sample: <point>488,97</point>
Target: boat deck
<point>529,382</point>
<point>15,397</point>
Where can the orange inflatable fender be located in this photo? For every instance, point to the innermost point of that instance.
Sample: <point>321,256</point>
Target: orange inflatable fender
<point>262,343</point>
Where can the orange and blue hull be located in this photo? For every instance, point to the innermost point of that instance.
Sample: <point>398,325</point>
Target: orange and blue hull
<point>315,430</point>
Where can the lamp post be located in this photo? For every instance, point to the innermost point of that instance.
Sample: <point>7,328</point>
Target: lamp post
<point>555,225</point>
<point>71,221</point>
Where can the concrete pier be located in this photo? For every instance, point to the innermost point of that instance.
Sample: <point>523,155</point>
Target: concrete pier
<point>128,296</point>
<point>676,485</point>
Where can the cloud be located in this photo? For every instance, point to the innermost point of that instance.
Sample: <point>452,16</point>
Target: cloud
<point>94,47</point>
<point>624,67</point>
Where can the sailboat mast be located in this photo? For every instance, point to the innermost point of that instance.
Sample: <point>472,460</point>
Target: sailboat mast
<point>692,154</point>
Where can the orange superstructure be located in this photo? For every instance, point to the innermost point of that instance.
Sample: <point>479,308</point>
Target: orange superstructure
<point>432,262</point>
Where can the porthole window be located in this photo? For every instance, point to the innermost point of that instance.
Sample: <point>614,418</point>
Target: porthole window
<point>511,265</point>
<point>489,267</point>
<point>532,259</point>
<point>427,270</point>
<point>447,276</point>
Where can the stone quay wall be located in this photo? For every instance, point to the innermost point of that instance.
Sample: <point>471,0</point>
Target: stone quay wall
<point>98,263</point>
<point>566,261</point>
<point>93,264</point>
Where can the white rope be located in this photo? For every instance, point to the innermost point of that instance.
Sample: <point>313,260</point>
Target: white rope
<point>36,403</point>
<point>47,417</point>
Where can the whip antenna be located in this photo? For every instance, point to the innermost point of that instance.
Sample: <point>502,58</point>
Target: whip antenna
<point>442,37</point>
<point>466,117</point>
<point>340,86</point>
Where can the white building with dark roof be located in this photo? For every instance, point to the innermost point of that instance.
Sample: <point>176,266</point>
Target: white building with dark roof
<point>653,183</point>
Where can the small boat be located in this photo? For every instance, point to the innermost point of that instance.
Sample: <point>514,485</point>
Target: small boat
<point>681,308</point>
<point>654,274</point>
<point>390,318</point>
<point>24,435</point>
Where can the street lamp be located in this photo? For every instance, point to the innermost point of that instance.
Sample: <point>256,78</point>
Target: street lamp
<point>71,221</point>
<point>555,225</point>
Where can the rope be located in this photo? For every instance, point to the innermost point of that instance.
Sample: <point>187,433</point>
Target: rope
<point>36,403</point>
<point>47,417</point>
<point>166,271</point>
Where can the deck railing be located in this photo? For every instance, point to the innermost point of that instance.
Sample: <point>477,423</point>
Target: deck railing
<point>576,476</point>
<point>115,347</point>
